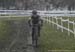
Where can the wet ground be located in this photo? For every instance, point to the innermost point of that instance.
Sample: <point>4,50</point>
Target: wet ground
<point>20,39</point>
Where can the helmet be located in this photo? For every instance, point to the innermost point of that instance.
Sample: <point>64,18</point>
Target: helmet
<point>34,12</point>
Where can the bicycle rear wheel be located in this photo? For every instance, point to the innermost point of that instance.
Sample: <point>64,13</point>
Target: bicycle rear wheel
<point>36,37</point>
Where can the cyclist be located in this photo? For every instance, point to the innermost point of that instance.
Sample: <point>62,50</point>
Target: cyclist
<point>35,19</point>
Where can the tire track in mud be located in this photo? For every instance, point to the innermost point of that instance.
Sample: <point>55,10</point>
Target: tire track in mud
<point>21,39</point>
<point>19,44</point>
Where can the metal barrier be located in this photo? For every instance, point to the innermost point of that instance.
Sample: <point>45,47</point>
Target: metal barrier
<point>41,13</point>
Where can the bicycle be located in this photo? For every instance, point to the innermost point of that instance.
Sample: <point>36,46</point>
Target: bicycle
<point>35,37</point>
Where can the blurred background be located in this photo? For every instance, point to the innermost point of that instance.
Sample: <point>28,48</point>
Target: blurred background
<point>37,4</point>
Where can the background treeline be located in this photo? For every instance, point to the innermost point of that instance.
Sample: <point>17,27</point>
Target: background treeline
<point>38,4</point>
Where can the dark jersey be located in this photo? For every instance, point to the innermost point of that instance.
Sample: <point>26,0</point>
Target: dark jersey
<point>35,19</point>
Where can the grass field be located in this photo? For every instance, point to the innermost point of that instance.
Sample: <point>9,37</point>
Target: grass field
<point>53,39</point>
<point>7,30</point>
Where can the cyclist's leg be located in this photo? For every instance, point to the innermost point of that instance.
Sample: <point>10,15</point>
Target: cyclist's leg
<point>36,42</point>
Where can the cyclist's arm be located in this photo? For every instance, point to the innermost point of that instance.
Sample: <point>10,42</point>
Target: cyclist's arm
<point>29,22</point>
<point>41,21</point>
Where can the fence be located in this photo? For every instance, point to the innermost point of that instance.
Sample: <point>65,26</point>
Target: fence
<point>49,15</point>
<point>41,13</point>
<point>50,20</point>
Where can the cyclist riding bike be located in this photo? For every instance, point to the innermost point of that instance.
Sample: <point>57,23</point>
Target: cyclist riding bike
<point>35,21</point>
